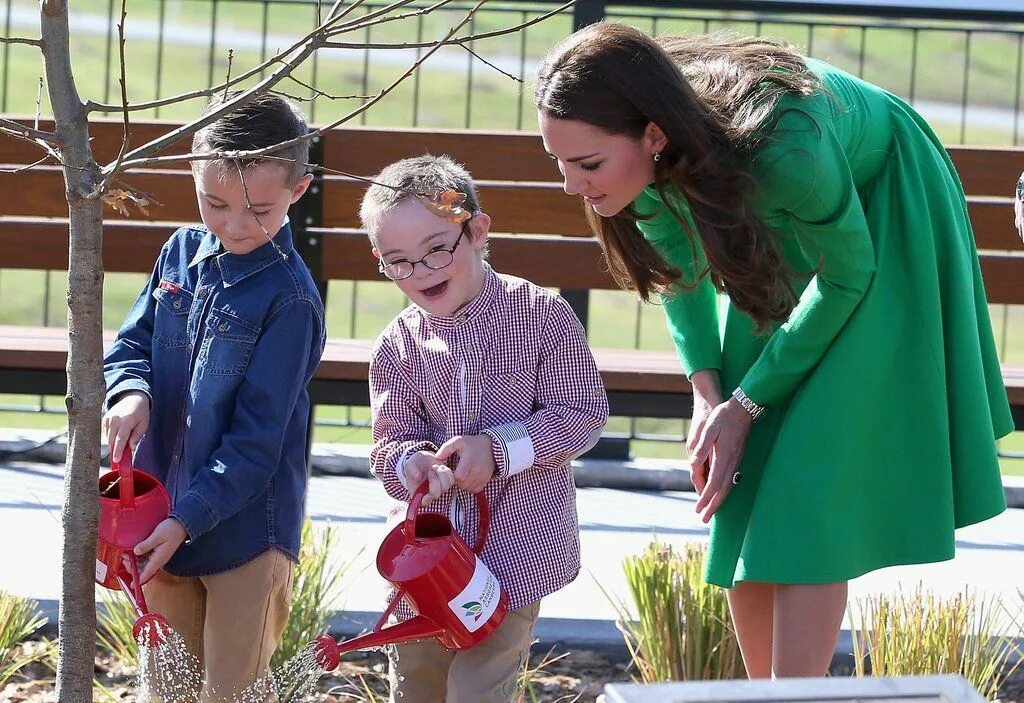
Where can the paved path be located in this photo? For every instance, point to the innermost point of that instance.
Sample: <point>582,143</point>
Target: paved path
<point>614,524</point>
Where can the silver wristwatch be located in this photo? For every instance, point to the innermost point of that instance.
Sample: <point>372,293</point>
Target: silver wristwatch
<point>750,406</point>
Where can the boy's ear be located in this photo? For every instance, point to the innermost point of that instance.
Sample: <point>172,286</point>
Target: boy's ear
<point>376,253</point>
<point>301,187</point>
<point>479,228</point>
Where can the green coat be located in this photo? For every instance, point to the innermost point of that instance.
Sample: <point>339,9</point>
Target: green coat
<point>883,391</point>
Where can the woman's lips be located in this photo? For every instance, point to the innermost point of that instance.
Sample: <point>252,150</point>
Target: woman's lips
<point>594,199</point>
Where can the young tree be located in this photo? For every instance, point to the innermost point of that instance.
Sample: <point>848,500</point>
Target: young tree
<point>88,184</point>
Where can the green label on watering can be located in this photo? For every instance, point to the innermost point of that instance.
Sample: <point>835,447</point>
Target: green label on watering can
<point>478,600</point>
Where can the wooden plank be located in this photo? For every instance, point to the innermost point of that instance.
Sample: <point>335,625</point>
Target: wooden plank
<point>1004,278</point>
<point>623,370</point>
<point>45,348</point>
<point>988,170</point>
<point>106,134</point>
<point>490,155</point>
<point>498,156</point>
<point>41,244</point>
<point>992,222</point>
<point>543,260</point>
<point>534,208</point>
<point>563,262</point>
<point>39,192</point>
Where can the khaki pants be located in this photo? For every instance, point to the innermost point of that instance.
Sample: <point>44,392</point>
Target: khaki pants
<point>426,672</point>
<point>231,621</point>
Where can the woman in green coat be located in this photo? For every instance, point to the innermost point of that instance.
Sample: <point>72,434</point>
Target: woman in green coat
<point>847,394</point>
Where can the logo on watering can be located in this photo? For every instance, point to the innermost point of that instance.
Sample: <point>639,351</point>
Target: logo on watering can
<point>478,600</point>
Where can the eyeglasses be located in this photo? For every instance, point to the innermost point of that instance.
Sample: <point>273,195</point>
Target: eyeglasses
<point>434,260</point>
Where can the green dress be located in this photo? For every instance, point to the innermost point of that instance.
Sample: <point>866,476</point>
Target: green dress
<point>883,391</point>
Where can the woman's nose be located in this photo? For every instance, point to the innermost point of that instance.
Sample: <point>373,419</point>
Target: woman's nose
<point>572,185</point>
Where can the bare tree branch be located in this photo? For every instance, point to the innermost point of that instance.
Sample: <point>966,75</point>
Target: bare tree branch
<point>39,103</point>
<point>447,42</point>
<point>488,63</point>
<point>22,40</point>
<point>317,93</point>
<point>227,78</point>
<point>252,210</point>
<point>124,93</point>
<point>139,157</point>
<point>25,168</point>
<point>213,90</point>
<point>373,19</point>
<point>16,129</point>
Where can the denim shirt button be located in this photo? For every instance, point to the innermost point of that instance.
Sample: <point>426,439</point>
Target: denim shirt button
<point>223,327</point>
<point>188,420</point>
<point>176,304</point>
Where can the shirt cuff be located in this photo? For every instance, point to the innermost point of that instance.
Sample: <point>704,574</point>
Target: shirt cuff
<point>198,516</point>
<point>512,448</point>
<point>400,468</point>
<point>135,384</point>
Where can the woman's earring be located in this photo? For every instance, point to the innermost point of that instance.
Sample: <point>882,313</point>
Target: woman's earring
<point>657,156</point>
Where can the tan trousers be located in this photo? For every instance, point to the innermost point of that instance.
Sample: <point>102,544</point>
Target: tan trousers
<point>426,672</point>
<point>231,621</point>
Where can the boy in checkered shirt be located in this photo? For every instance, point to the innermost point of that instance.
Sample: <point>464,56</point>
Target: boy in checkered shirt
<point>484,383</point>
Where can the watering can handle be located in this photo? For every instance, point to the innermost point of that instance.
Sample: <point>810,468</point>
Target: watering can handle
<point>127,488</point>
<point>414,508</point>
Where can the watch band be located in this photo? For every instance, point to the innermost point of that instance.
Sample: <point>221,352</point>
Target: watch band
<point>750,406</point>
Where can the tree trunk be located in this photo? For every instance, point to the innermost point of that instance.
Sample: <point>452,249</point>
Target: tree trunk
<point>80,513</point>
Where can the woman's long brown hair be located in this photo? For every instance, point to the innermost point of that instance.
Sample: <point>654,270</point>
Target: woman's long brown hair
<point>713,96</point>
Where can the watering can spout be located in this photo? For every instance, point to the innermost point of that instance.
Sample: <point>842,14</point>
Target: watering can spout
<point>328,652</point>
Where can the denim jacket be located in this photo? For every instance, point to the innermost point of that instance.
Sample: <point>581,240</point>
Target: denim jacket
<point>224,346</point>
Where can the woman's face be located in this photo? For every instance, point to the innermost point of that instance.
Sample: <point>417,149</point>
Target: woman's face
<point>608,170</point>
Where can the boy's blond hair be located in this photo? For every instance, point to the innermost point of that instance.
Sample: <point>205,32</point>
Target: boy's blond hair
<point>402,180</point>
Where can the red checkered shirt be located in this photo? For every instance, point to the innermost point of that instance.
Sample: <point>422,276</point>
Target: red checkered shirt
<point>513,364</point>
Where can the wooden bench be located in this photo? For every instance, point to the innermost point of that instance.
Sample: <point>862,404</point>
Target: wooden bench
<point>537,229</point>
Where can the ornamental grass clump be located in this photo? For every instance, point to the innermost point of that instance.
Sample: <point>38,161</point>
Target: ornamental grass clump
<point>19,619</point>
<point>678,627</point>
<point>918,633</point>
<point>318,584</point>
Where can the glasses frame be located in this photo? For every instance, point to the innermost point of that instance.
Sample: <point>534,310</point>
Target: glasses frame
<point>382,267</point>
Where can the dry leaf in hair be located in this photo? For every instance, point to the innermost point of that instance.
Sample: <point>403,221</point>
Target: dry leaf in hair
<point>448,205</point>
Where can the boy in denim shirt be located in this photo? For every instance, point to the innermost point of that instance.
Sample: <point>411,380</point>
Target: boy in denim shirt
<point>206,384</point>
<point>485,383</point>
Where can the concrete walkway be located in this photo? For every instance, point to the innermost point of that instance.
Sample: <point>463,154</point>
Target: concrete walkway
<point>614,524</point>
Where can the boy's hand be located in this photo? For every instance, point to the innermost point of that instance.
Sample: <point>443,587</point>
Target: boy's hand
<point>126,422</point>
<point>424,466</point>
<point>159,547</point>
<point>476,462</point>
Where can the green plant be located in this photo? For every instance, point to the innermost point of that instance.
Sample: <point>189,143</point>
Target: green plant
<point>681,629</point>
<point>316,589</point>
<point>19,619</point>
<point>116,618</point>
<point>531,675</point>
<point>922,633</point>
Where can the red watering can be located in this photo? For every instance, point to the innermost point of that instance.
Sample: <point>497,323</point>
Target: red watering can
<point>132,504</point>
<point>458,600</point>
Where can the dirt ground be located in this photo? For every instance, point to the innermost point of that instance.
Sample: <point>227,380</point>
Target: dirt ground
<point>579,676</point>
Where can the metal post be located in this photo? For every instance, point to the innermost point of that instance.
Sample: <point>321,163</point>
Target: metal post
<point>587,12</point>
<point>304,215</point>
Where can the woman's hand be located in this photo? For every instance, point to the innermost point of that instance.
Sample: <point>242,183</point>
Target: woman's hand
<point>706,395</point>
<point>720,446</point>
